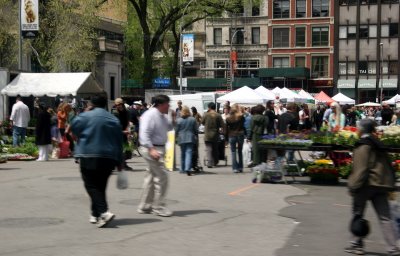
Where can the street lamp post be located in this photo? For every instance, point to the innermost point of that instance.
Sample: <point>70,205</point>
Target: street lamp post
<point>180,46</point>
<point>231,61</point>
<point>381,70</point>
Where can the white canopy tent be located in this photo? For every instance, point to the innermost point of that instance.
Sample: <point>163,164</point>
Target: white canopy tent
<point>276,90</point>
<point>306,95</point>
<point>393,100</point>
<point>343,99</point>
<point>291,96</point>
<point>265,93</point>
<point>369,104</point>
<point>52,85</point>
<point>244,95</point>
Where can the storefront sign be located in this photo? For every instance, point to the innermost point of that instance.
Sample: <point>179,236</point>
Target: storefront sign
<point>188,47</point>
<point>29,18</point>
<point>161,83</point>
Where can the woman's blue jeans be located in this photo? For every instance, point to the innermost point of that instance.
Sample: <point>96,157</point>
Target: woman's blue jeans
<point>236,143</point>
<point>186,156</point>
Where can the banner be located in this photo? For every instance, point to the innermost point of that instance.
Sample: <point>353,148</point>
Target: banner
<point>188,47</point>
<point>29,17</point>
<point>170,151</point>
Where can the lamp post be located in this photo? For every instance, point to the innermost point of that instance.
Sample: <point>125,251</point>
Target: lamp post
<point>231,61</point>
<point>180,47</point>
<point>381,70</point>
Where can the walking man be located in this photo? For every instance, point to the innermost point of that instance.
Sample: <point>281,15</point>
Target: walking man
<point>99,150</point>
<point>20,117</point>
<point>213,124</point>
<point>154,127</point>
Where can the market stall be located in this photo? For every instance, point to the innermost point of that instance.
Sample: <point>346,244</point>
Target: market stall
<point>393,100</point>
<point>343,99</point>
<point>265,93</point>
<point>244,96</point>
<point>322,97</point>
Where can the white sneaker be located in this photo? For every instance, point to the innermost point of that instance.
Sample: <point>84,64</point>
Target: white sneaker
<point>162,211</point>
<point>104,219</point>
<point>93,219</point>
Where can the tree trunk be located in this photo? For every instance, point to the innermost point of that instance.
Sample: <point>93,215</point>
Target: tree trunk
<point>175,65</point>
<point>148,62</point>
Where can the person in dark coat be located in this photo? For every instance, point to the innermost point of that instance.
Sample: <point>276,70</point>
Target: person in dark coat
<point>272,117</point>
<point>386,114</point>
<point>43,133</point>
<point>317,117</point>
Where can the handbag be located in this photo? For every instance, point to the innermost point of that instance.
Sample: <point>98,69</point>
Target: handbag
<point>64,147</point>
<point>122,180</point>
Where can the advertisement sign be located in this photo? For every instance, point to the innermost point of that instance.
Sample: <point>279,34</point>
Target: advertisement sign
<point>169,151</point>
<point>29,17</point>
<point>188,47</point>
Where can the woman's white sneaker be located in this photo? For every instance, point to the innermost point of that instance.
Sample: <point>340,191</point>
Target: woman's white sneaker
<point>104,219</point>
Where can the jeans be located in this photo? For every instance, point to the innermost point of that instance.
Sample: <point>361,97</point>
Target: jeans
<point>381,205</point>
<point>95,181</point>
<point>18,136</point>
<point>237,141</point>
<point>186,156</point>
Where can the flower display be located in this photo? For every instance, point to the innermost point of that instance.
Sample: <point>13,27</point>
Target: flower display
<point>391,136</point>
<point>323,172</point>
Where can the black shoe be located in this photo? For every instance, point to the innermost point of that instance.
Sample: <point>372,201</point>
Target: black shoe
<point>355,249</point>
<point>209,166</point>
<point>189,173</point>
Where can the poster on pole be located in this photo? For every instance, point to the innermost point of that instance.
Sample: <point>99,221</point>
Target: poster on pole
<point>188,47</point>
<point>29,18</point>
<point>170,151</point>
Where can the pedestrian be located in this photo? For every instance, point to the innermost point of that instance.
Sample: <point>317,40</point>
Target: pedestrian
<point>196,116</point>
<point>62,115</point>
<point>272,117</point>
<point>186,132</point>
<point>178,109</point>
<point>304,118</point>
<point>337,119</point>
<point>123,116</point>
<point>288,121</point>
<point>20,117</point>
<point>43,133</point>
<point>213,126</point>
<point>317,117</point>
<point>225,112</point>
<point>386,114</point>
<point>235,132</point>
<point>99,150</point>
<point>371,179</point>
<point>154,127</point>
<point>258,124</point>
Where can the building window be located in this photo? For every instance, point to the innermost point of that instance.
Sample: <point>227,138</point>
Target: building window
<point>281,9</point>
<point>320,66</point>
<point>245,64</point>
<point>393,65</point>
<point>349,2</point>
<point>255,35</point>
<point>300,61</point>
<point>342,32</point>
<point>351,68</point>
<point>390,1</point>
<point>342,68</point>
<point>222,65</point>
<point>217,36</point>
<point>390,30</point>
<point>320,36</point>
<point>255,8</point>
<point>239,35</point>
<point>301,9</point>
<point>281,37</point>
<point>281,62</point>
<point>367,67</point>
<point>364,32</point>
<point>372,67</point>
<point>301,37</point>
<point>373,33</point>
<point>320,8</point>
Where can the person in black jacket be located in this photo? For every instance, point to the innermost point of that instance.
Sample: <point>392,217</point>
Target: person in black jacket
<point>270,114</point>
<point>318,117</point>
<point>43,133</point>
<point>386,114</point>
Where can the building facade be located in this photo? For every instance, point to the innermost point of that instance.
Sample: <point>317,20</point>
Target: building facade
<point>367,49</point>
<point>301,44</point>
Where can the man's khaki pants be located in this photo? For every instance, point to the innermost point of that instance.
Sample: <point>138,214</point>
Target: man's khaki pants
<point>155,182</point>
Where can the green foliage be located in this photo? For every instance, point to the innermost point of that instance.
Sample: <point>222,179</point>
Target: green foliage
<point>8,35</point>
<point>29,149</point>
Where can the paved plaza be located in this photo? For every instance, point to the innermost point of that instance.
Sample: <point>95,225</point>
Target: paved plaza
<point>45,211</point>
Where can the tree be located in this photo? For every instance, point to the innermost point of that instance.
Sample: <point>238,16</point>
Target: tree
<point>8,34</point>
<point>158,17</point>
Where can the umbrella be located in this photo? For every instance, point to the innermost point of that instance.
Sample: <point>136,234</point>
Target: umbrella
<point>369,104</point>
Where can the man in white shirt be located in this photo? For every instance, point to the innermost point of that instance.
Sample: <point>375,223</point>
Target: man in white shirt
<point>20,117</point>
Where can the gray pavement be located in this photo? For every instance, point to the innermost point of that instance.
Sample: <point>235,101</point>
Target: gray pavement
<point>45,211</point>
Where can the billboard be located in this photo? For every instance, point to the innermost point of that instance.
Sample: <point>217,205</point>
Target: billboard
<point>29,17</point>
<point>188,47</point>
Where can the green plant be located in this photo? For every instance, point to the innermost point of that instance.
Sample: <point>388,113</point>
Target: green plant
<point>29,149</point>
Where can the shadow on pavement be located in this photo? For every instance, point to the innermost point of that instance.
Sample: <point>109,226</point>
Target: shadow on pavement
<point>191,212</point>
<point>9,169</point>
<point>125,222</point>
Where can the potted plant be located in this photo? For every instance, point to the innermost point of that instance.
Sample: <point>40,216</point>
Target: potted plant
<point>323,172</point>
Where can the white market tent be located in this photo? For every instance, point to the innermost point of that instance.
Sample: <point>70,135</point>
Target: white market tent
<point>343,99</point>
<point>291,96</point>
<point>369,104</point>
<point>306,95</point>
<point>244,95</point>
<point>265,93</point>
<point>393,100</point>
<point>276,90</point>
<point>52,84</point>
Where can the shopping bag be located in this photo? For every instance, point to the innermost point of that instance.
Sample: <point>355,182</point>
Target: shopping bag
<point>64,148</point>
<point>122,180</point>
<point>246,151</point>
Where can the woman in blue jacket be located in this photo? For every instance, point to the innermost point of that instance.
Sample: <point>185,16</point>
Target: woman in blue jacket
<point>186,132</point>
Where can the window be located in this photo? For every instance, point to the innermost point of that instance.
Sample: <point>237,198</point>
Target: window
<point>320,36</point>
<point>220,64</point>
<point>319,66</point>
<point>351,32</point>
<point>217,36</point>
<point>248,64</point>
<point>349,2</point>
<point>255,8</point>
<point>342,32</point>
<point>390,30</point>
<point>239,35</point>
<point>320,8</point>
<point>300,61</point>
<point>301,37</point>
<point>363,67</point>
<point>364,31</point>
<point>281,62</point>
<point>393,66</point>
<point>390,1</point>
<point>301,9</point>
<point>281,37</point>
<point>255,35</point>
<point>372,67</point>
<point>351,68</point>
<point>373,33</point>
<point>342,68</point>
<point>281,9</point>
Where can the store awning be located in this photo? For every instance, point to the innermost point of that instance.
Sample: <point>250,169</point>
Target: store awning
<point>284,72</point>
<point>367,83</point>
<point>52,85</point>
<point>389,83</point>
<point>344,83</point>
